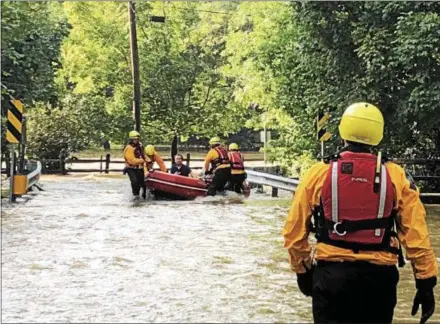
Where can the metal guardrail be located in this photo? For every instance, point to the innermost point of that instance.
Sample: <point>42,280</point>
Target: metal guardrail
<point>274,181</point>
<point>34,175</point>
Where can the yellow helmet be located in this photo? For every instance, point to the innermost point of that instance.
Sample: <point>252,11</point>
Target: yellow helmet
<point>362,123</point>
<point>149,150</point>
<point>233,146</point>
<point>215,140</point>
<point>134,134</point>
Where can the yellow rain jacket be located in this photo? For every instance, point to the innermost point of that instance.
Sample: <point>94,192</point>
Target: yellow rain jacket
<point>133,157</point>
<point>412,231</point>
<point>155,158</point>
<point>212,156</point>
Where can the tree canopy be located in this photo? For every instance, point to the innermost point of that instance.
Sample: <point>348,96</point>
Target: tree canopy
<point>216,68</point>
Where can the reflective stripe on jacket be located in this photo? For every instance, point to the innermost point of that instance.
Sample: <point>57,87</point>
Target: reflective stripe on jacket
<point>412,230</point>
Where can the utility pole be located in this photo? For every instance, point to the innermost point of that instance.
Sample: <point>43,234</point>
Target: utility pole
<point>135,67</point>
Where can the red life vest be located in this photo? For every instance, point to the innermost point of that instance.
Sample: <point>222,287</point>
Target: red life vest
<point>236,159</point>
<point>357,203</point>
<point>222,158</point>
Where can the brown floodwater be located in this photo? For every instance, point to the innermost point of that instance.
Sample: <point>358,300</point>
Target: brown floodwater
<point>82,252</point>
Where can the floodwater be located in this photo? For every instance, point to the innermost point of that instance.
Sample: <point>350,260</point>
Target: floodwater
<point>81,252</point>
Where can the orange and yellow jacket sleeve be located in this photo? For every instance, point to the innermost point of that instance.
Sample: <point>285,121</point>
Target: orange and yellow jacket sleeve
<point>160,162</point>
<point>211,156</point>
<point>296,227</point>
<point>412,230</point>
<point>130,157</point>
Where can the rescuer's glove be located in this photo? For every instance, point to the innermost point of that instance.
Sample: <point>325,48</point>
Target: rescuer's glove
<point>424,297</point>
<point>305,281</point>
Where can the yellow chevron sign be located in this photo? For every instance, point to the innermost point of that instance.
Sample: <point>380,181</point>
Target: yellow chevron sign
<point>15,120</point>
<point>321,120</point>
<point>323,135</point>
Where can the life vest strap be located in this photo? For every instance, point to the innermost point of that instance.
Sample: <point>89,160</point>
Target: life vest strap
<point>335,211</point>
<point>321,227</point>
<point>382,196</point>
<point>354,226</point>
<point>356,247</point>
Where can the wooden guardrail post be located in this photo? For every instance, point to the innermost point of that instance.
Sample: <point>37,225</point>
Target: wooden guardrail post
<point>188,159</point>
<point>62,165</point>
<point>274,192</point>
<point>63,157</point>
<point>100,165</point>
<point>107,162</point>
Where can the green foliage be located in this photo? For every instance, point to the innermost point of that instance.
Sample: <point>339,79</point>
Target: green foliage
<point>31,37</point>
<point>183,91</point>
<point>68,128</point>
<point>216,68</point>
<point>381,52</point>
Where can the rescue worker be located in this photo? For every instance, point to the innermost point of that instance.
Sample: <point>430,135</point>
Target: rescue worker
<point>134,164</point>
<point>218,164</point>
<point>181,169</point>
<point>238,174</point>
<point>363,209</point>
<point>152,156</point>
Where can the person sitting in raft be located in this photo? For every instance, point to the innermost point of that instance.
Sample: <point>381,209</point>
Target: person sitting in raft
<point>181,169</point>
<point>152,156</point>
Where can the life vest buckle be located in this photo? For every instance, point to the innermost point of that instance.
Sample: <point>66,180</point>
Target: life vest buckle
<point>335,229</point>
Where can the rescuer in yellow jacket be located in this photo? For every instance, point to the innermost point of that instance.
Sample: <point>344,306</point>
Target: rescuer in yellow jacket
<point>152,156</point>
<point>238,173</point>
<point>217,163</point>
<point>361,208</point>
<point>134,164</point>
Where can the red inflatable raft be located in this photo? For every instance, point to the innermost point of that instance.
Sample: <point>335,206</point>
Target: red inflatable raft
<point>172,186</point>
<point>184,187</point>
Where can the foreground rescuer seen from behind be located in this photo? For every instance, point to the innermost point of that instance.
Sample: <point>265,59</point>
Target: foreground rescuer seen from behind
<point>218,164</point>
<point>134,164</point>
<point>363,208</point>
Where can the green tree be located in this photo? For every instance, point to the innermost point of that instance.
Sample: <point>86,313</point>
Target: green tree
<point>383,53</point>
<point>183,90</point>
<point>69,127</point>
<point>30,48</point>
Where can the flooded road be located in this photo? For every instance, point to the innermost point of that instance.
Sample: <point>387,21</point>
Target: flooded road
<point>81,252</point>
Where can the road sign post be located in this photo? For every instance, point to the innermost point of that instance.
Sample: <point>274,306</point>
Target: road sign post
<point>11,176</point>
<point>14,128</point>
<point>322,134</point>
